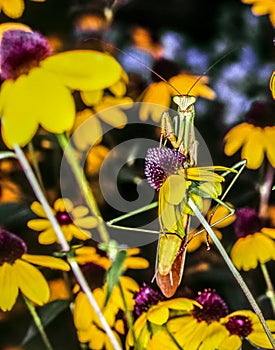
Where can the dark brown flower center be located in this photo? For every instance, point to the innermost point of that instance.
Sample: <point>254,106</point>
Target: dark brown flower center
<point>213,307</point>
<point>247,222</point>
<point>12,247</point>
<point>20,51</point>
<point>261,113</point>
<point>239,325</point>
<point>63,218</point>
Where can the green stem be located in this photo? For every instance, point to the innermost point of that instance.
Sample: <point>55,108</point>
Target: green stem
<point>128,314</point>
<point>234,271</point>
<point>35,165</point>
<point>83,185</point>
<point>172,337</point>
<point>265,190</point>
<point>38,323</point>
<point>270,289</point>
<point>64,244</point>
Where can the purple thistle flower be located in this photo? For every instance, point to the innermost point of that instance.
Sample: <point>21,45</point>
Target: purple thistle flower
<point>145,298</point>
<point>20,51</point>
<point>239,325</point>
<point>12,247</point>
<point>213,306</point>
<point>161,163</point>
<point>247,222</point>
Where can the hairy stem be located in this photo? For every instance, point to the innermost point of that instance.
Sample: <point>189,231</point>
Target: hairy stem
<point>270,289</point>
<point>64,244</point>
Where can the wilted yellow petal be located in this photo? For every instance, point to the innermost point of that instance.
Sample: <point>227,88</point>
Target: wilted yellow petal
<point>31,282</point>
<point>8,287</point>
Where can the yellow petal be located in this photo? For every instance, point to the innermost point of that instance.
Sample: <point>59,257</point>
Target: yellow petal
<point>47,261</point>
<point>270,144</point>
<point>87,222</point>
<point>38,209</point>
<point>31,282</point>
<point>181,304</point>
<point>272,84</point>
<point>203,174</point>
<point>8,287</point>
<point>16,109</point>
<point>85,70</point>
<point>88,130</point>
<point>236,137</point>
<point>253,149</point>
<point>39,224</point>
<point>13,8</point>
<point>114,117</point>
<point>119,88</point>
<point>91,98</point>
<point>219,214</point>
<point>136,263</point>
<point>82,312</point>
<point>77,232</point>
<point>47,237</point>
<point>79,211</point>
<point>158,314</point>
<point>269,232</point>
<point>174,188</point>
<point>63,204</point>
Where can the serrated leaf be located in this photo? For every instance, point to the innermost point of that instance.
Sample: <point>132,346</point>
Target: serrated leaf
<point>113,274</point>
<point>47,314</point>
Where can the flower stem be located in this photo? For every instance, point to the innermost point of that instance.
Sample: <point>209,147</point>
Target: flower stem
<point>270,289</point>
<point>64,244</point>
<point>265,190</point>
<point>234,271</point>
<point>38,323</point>
<point>83,184</point>
<point>174,340</point>
<point>128,314</point>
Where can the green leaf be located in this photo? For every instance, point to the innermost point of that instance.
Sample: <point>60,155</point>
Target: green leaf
<point>47,314</point>
<point>113,274</point>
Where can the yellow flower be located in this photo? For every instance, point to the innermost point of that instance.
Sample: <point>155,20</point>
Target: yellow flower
<point>84,255</point>
<point>110,110</point>
<point>245,324</point>
<point>256,137</point>
<point>38,86</point>
<point>74,221</point>
<point>255,243</point>
<point>153,314</point>
<point>263,7</point>
<point>14,8</point>
<point>196,241</point>
<point>18,273</point>
<point>89,328</point>
<point>159,94</point>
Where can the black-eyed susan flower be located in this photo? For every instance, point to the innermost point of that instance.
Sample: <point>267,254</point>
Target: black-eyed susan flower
<point>255,243</point>
<point>86,320</point>
<point>18,274</point>
<point>195,240</point>
<point>153,313</point>
<point>14,8</point>
<point>74,221</point>
<point>37,88</point>
<point>159,94</point>
<point>85,255</point>
<point>262,7</point>
<point>255,137</point>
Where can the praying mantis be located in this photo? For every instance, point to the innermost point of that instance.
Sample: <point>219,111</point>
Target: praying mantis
<point>186,182</point>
